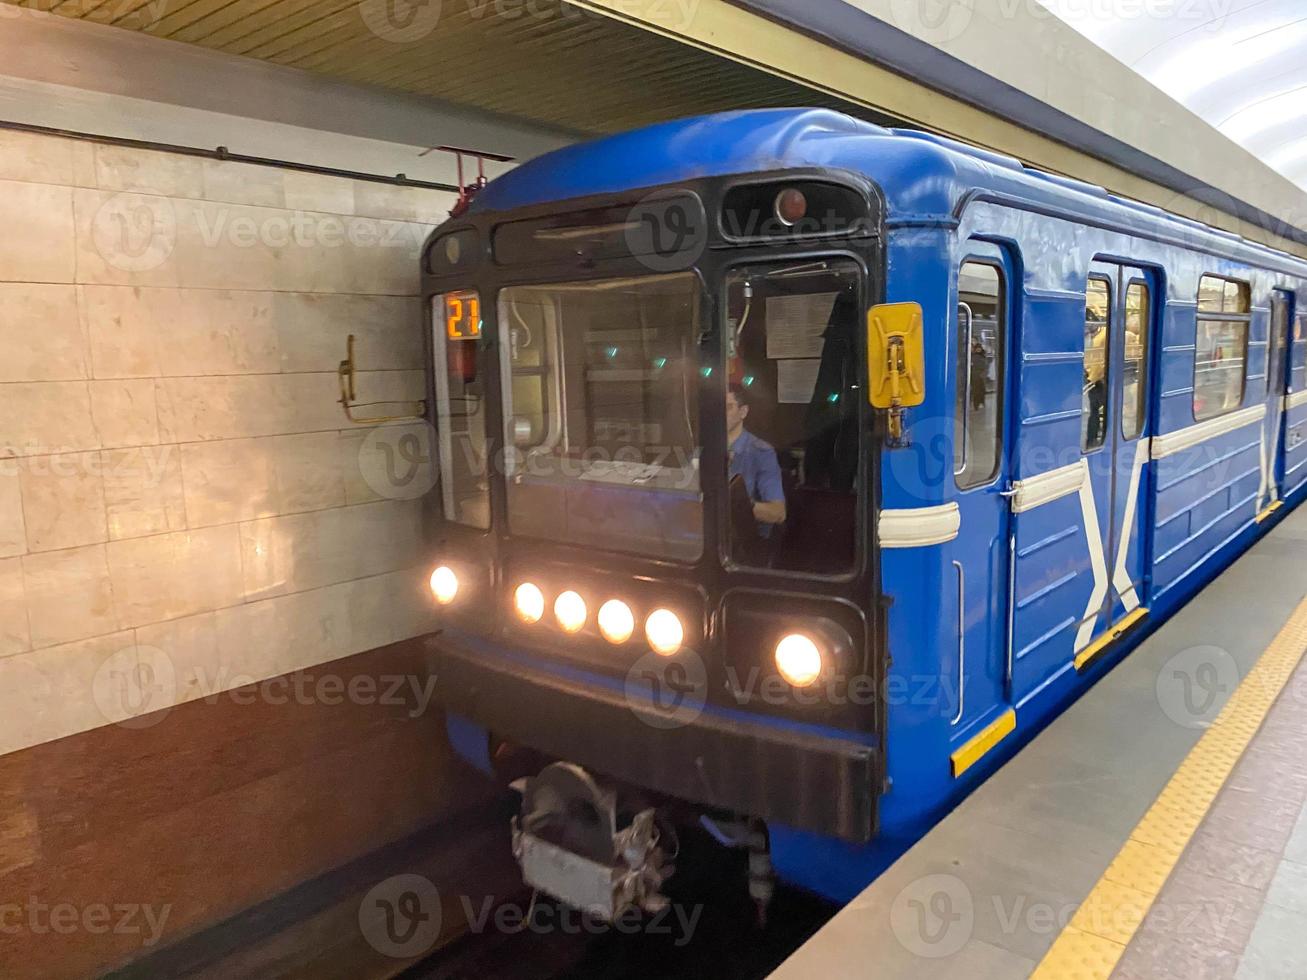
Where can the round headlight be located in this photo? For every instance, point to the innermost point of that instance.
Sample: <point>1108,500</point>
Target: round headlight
<point>799,660</point>
<point>530,602</point>
<point>664,631</point>
<point>791,206</point>
<point>444,585</point>
<point>616,621</point>
<point>570,611</point>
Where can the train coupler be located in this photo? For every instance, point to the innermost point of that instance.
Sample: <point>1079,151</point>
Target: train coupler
<point>568,844</point>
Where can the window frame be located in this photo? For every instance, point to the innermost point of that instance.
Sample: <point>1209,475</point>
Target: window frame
<point>1002,321</point>
<point>442,412</point>
<point>1283,299</point>
<point>551,391</point>
<point>863,488</point>
<point>1146,334</point>
<point>1223,316</point>
<point>1109,348</point>
<point>1297,347</point>
<point>558,347</point>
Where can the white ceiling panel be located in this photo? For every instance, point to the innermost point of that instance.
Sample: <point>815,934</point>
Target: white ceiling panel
<point>1239,64</point>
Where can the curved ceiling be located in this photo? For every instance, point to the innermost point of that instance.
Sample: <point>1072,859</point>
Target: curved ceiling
<point>1239,64</point>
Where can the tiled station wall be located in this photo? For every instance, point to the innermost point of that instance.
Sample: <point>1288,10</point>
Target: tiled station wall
<point>184,510</point>
<point>182,502</point>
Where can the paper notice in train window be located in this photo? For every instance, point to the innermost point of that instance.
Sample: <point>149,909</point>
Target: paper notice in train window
<point>796,380</point>
<point>795,324</point>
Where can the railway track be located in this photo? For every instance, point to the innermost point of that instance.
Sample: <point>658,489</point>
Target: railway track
<point>710,931</point>
<point>314,931</point>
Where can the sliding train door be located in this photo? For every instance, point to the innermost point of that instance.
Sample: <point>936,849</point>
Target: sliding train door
<point>982,351</point>
<point>1120,303</point>
<point>1295,409</point>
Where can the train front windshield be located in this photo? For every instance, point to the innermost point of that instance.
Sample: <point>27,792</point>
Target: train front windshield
<point>601,410</point>
<point>602,381</point>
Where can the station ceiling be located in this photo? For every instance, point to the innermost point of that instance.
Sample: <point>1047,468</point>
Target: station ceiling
<point>1239,64</point>
<point>605,75</point>
<point>595,66</point>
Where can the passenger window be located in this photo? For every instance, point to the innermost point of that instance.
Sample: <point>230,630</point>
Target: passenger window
<point>1134,403</point>
<point>1098,343</point>
<point>1221,346</point>
<point>977,422</point>
<point>792,407</point>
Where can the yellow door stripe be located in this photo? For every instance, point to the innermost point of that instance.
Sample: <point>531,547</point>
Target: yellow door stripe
<point>1123,626</point>
<point>1097,936</point>
<point>967,756</point>
<point>1269,511</point>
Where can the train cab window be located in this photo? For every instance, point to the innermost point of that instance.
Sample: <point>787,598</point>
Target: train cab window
<point>977,423</point>
<point>1098,342</point>
<point>460,409</point>
<point>1134,401</point>
<point>1221,346</point>
<point>601,410</point>
<point>792,410</point>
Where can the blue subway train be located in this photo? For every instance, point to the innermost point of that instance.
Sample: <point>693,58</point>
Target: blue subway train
<point>795,471</point>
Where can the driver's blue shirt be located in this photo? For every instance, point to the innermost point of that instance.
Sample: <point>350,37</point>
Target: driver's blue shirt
<point>755,462</point>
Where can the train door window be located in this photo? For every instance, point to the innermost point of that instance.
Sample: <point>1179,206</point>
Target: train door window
<point>1221,346</point>
<point>1098,345</point>
<point>1298,356</point>
<point>1134,402</point>
<point>1278,343</point>
<point>792,410</point>
<point>461,409</point>
<point>977,422</point>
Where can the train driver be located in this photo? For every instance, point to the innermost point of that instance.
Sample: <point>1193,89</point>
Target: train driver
<point>754,462</point>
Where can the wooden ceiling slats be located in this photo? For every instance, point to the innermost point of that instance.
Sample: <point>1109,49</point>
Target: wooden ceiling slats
<point>602,75</point>
<point>271,21</point>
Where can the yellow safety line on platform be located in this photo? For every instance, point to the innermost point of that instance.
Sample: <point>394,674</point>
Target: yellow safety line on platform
<point>1097,936</point>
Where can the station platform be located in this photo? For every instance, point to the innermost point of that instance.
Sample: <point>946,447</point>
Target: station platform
<point>1157,829</point>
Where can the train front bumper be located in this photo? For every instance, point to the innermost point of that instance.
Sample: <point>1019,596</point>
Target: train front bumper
<point>751,766</point>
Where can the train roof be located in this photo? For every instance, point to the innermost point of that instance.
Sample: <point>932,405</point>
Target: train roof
<point>924,178</point>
